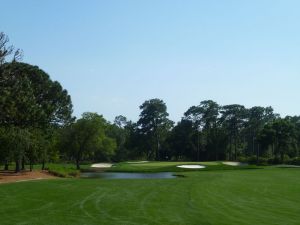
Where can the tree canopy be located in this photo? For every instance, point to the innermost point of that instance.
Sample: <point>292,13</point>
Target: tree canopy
<point>29,98</point>
<point>154,124</point>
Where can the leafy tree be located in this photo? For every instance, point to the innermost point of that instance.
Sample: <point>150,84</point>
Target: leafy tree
<point>257,117</point>
<point>154,124</point>
<point>118,131</point>
<point>86,138</point>
<point>120,121</point>
<point>205,119</point>
<point>5,154</point>
<point>182,141</point>
<point>136,142</point>
<point>283,137</point>
<point>29,98</point>
<point>18,143</point>
<point>233,119</point>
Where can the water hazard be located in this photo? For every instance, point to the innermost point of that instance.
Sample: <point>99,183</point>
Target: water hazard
<point>117,175</point>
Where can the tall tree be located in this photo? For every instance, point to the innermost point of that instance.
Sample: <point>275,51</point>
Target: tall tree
<point>205,120</point>
<point>182,141</point>
<point>233,119</point>
<point>29,99</point>
<point>154,123</point>
<point>281,134</point>
<point>257,117</point>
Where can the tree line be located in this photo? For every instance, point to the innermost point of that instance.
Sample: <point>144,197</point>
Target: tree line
<point>37,126</point>
<point>210,132</point>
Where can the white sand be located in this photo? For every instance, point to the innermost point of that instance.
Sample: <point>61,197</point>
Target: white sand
<point>102,165</point>
<point>234,163</point>
<point>138,162</point>
<point>191,166</point>
<point>40,178</point>
<point>288,166</point>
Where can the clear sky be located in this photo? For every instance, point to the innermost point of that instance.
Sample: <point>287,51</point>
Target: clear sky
<point>113,55</point>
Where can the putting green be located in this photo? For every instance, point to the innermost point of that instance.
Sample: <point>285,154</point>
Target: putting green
<point>159,166</point>
<point>264,196</point>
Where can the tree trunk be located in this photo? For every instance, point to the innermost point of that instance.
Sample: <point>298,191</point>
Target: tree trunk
<point>253,148</point>
<point>43,165</point>
<point>31,166</point>
<point>257,155</point>
<point>198,147</point>
<point>230,147</point>
<point>157,150</point>
<point>235,149</point>
<point>215,141</point>
<point>23,163</point>
<point>216,149</point>
<point>77,164</point>
<point>6,165</point>
<point>17,166</point>
<point>235,154</point>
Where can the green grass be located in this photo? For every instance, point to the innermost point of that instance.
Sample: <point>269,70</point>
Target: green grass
<point>172,167</point>
<point>269,196</point>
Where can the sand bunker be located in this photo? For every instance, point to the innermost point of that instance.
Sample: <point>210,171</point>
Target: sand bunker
<point>191,166</point>
<point>287,166</point>
<point>11,176</point>
<point>234,163</point>
<point>102,165</point>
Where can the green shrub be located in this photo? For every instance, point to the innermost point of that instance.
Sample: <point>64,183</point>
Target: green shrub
<point>295,161</point>
<point>262,161</point>
<point>63,170</point>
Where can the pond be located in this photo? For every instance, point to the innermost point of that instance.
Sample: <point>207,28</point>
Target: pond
<point>117,175</point>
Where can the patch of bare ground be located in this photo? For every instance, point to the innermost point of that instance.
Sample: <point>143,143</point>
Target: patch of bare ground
<point>11,176</point>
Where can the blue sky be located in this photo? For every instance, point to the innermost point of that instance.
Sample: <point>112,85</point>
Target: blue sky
<point>113,55</point>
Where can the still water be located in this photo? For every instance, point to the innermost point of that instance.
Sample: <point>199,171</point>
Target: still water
<point>116,175</point>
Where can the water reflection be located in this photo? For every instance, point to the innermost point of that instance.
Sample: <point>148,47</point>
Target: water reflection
<point>116,175</point>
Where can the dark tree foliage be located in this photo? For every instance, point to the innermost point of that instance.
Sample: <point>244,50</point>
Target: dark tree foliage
<point>154,124</point>
<point>182,141</point>
<point>31,105</point>
<point>88,138</point>
<point>29,98</point>
<point>204,118</point>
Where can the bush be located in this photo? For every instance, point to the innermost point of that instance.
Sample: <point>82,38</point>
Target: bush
<point>295,161</point>
<point>286,159</point>
<point>253,160</point>
<point>263,161</point>
<point>243,159</point>
<point>275,160</point>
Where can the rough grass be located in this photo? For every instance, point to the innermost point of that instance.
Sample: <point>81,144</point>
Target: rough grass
<point>262,197</point>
